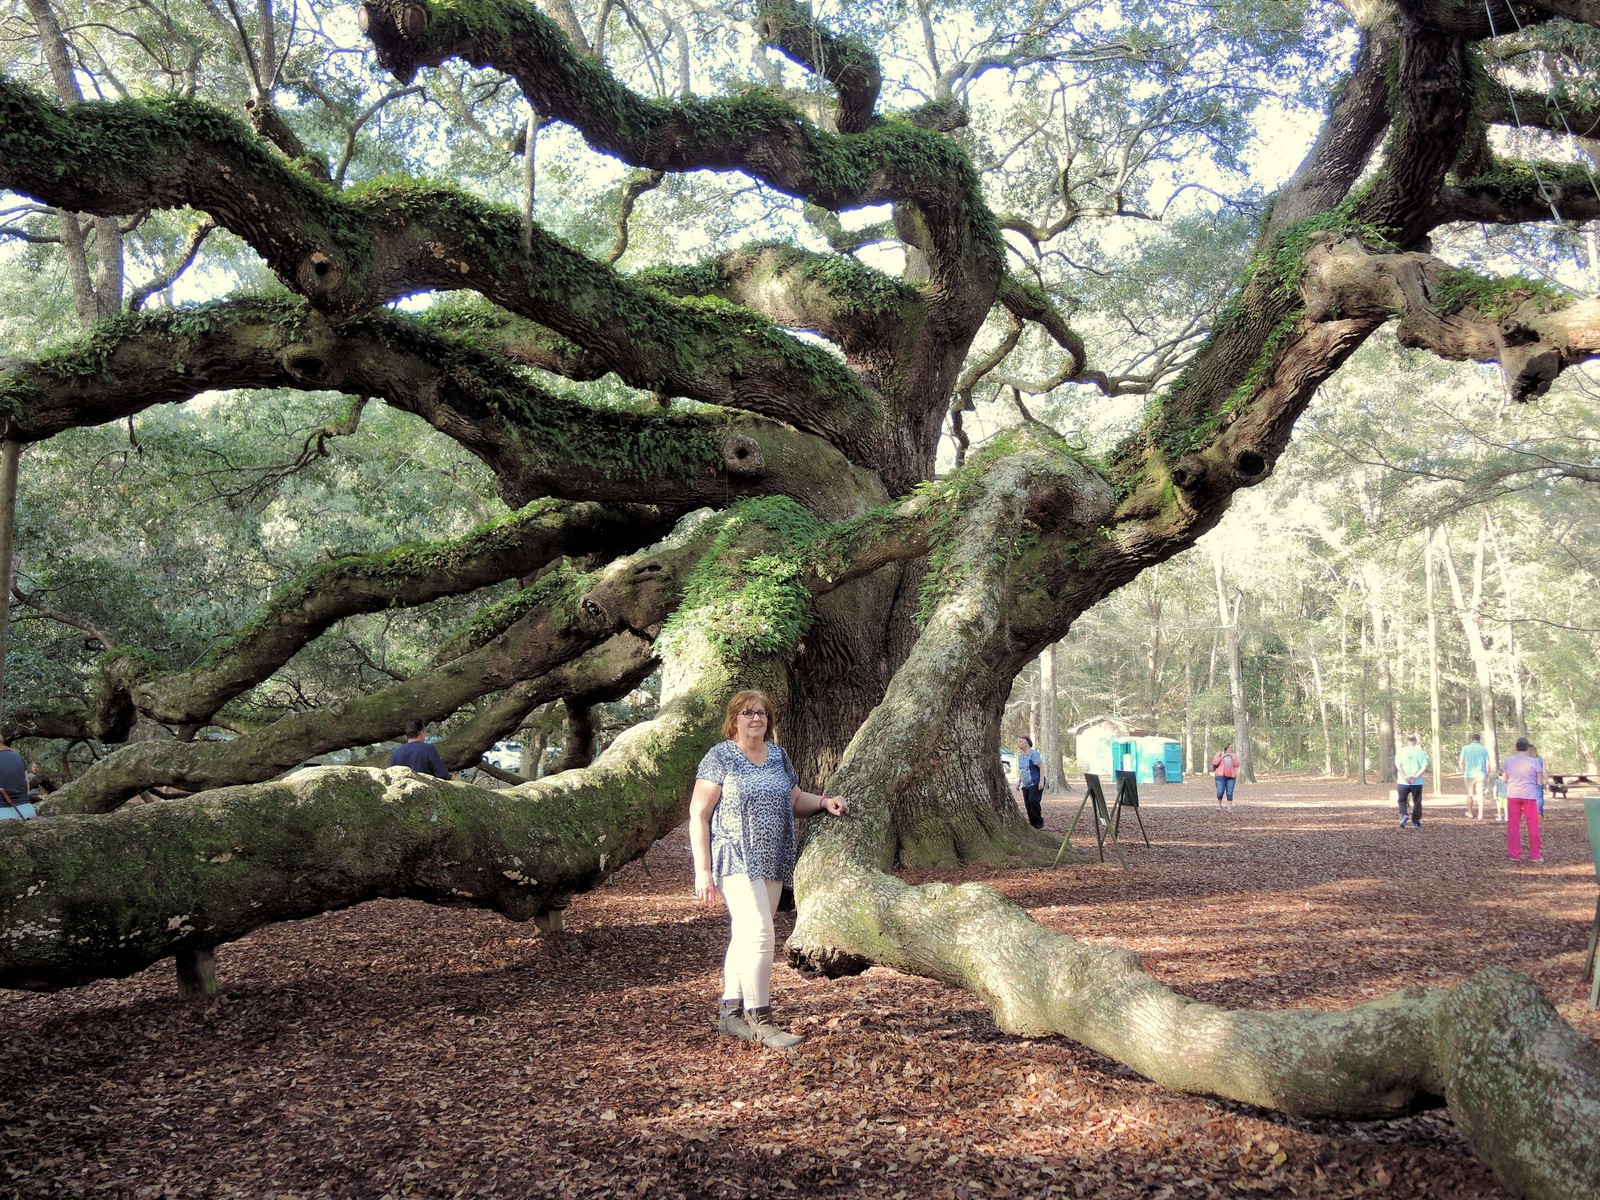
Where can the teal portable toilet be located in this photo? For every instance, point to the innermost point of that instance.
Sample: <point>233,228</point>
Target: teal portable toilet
<point>1172,756</point>
<point>1160,760</point>
<point>1124,756</point>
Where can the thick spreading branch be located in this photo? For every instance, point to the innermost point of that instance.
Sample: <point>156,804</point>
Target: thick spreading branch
<point>537,442</point>
<point>1452,313</point>
<point>753,133</point>
<point>352,251</point>
<point>1229,415</point>
<point>214,867</point>
<point>860,310</point>
<point>305,608</point>
<point>1492,1048</point>
<point>1519,193</point>
<point>548,625</point>
<point>793,29</point>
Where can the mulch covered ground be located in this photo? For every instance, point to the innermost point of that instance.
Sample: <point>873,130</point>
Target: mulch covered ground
<point>402,1050</point>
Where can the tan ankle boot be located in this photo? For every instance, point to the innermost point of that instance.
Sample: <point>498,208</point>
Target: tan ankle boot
<point>763,1030</point>
<point>730,1020</point>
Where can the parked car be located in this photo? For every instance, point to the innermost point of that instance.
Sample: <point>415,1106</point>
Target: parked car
<point>505,755</point>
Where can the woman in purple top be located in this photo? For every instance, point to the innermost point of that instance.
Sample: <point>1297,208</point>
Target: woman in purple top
<point>1524,776</point>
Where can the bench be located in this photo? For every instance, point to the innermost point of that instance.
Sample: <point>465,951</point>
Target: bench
<point>1559,784</point>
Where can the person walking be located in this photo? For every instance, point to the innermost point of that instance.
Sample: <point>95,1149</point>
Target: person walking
<point>418,753</point>
<point>742,831</point>
<point>1474,763</point>
<point>1225,771</point>
<point>1030,778</point>
<point>1410,765</point>
<point>1523,774</point>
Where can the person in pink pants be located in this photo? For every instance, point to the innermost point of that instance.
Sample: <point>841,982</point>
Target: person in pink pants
<point>1524,776</point>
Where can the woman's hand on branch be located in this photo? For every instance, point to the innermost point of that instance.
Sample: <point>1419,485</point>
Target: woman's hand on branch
<point>833,805</point>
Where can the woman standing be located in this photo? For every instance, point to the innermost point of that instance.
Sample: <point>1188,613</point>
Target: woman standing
<point>1524,775</point>
<point>1225,769</point>
<point>742,830</point>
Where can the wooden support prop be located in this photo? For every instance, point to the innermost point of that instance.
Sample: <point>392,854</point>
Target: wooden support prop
<point>1127,797</point>
<point>197,972</point>
<point>1100,818</point>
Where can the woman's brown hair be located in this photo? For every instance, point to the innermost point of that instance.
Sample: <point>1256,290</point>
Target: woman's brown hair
<point>740,702</point>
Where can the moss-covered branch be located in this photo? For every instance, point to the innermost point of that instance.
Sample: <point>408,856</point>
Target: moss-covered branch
<point>538,442</point>
<point>351,251</point>
<point>78,906</point>
<point>1226,419</point>
<point>794,29</point>
<point>757,134</point>
<point>1517,191</point>
<point>1529,328</point>
<point>859,309</point>
<point>552,623</point>
<point>331,591</point>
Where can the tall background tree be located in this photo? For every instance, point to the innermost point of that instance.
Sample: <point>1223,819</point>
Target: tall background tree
<point>727,413</point>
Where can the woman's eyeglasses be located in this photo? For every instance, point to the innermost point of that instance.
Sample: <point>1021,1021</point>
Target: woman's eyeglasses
<point>753,712</point>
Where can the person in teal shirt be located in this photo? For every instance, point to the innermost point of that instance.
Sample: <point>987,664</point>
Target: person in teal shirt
<point>1474,760</point>
<point>1410,765</point>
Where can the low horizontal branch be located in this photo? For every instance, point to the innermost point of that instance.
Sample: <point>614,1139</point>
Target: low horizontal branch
<point>76,906</point>
<point>562,618</point>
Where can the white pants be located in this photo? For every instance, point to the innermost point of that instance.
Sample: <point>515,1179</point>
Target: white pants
<point>747,967</point>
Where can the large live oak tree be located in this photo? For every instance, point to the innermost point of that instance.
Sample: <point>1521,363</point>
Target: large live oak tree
<point>772,518</point>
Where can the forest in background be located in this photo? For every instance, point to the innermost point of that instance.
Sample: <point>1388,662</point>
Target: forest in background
<point>1422,556</point>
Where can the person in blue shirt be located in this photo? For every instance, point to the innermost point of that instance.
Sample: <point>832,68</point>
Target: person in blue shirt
<point>1474,760</point>
<point>15,800</point>
<point>418,753</point>
<point>1030,777</point>
<point>1410,765</point>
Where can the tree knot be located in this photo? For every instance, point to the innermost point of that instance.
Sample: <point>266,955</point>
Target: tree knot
<point>309,365</point>
<point>741,455</point>
<point>319,274</point>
